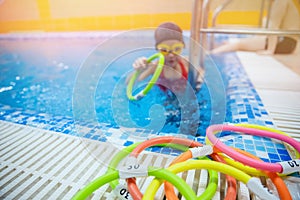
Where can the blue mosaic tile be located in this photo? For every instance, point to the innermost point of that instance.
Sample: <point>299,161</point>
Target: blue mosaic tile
<point>243,120</point>
<point>249,147</point>
<point>251,151</point>
<point>128,143</point>
<point>264,112</point>
<point>95,137</point>
<point>88,135</point>
<point>200,140</point>
<point>166,151</point>
<point>260,148</point>
<point>271,150</point>
<point>248,141</point>
<point>240,146</point>
<point>108,134</point>
<point>280,145</point>
<point>284,157</point>
<point>282,151</point>
<point>257,114</point>
<point>155,149</point>
<point>67,131</point>
<point>270,144</point>
<point>269,123</point>
<point>265,160</point>
<point>102,139</point>
<point>274,161</point>
<point>273,156</point>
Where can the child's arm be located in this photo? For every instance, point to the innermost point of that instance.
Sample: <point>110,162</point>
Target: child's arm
<point>146,69</point>
<point>149,70</point>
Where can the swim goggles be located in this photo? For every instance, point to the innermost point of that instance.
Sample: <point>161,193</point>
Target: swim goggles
<point>166,49</point>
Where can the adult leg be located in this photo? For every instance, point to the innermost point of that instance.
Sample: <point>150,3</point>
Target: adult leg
<point>255,43</point>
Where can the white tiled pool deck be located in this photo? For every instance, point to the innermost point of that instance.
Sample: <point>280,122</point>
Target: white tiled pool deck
<point>40,164</point>
<point>279,89</point>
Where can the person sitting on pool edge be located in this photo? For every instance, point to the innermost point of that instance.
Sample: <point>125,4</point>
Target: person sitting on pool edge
<point>169,41</point>
<point>283,16</point>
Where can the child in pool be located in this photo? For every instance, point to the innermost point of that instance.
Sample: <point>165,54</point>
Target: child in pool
<point>283,15</point>
<point>169,41</point>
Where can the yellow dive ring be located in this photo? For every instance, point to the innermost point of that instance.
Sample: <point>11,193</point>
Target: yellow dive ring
<point>153,80</point>
<point>253,185</point>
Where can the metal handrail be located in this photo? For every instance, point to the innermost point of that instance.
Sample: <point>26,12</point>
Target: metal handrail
<point>194,49</point>
<point>214,18</point>
<point>204,24</point>
<point>218,10</point>
<point>262,8</point>
<point>256,31</point>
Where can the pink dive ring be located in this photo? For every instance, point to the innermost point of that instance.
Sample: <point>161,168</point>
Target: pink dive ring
<point>284,167</point>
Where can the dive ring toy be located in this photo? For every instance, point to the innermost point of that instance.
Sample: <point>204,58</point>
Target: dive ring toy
<point>159,68</point>
<point>284,167</point>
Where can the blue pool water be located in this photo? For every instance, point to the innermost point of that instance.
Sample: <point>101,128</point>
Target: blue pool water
<point>42,76</point>
<point>76,86</point>
<point>39,75</point>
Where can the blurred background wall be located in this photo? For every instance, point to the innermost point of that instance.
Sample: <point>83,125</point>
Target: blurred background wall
<point>98,15</point>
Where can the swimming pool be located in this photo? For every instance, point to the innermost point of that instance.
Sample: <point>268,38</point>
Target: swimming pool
<point>52,83</point>
<point>72,79</point>
<point>75,85</point>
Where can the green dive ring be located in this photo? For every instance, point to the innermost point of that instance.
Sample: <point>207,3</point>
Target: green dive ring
<point>159,173</point>
<point>159,68</point>
<point>111,176</point>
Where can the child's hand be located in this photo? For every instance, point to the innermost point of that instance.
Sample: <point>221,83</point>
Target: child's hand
<point>140,63</point>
